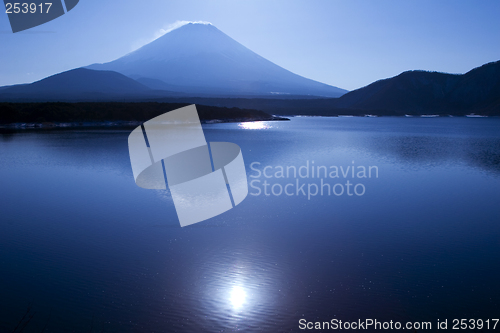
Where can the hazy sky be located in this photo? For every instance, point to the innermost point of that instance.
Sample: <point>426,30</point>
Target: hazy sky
<point>348,44</point>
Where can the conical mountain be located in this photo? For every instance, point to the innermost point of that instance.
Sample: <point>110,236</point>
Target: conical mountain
<point>200,59</point>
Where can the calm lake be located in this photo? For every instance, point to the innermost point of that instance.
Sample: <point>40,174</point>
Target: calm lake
<point>86,250</point>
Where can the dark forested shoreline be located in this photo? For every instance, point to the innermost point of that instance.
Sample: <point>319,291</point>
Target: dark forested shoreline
<point>49,114</point>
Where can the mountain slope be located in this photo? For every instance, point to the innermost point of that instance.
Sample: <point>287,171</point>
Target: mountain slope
<point>430,92</point>
<point>199,58</point>
<point>77,83</point>
<point>478,88</point>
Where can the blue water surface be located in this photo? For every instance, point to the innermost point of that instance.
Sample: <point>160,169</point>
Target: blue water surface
<point>85,249</point>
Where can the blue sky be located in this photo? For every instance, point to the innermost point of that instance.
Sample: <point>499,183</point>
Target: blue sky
<point>348,44</point>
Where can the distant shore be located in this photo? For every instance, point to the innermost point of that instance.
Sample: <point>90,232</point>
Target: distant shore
<point>133,124</point>
<point>112,114</point>
<point>59,115</point>
<point>117,124</point>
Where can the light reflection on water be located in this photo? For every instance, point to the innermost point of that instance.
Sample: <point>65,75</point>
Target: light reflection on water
<point>255,125</point>
<point>238,285</point>
<point>237,296</point>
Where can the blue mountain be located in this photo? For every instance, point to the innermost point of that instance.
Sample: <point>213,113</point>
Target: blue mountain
<point>200,59</point>
<point>419,92</point>
<point>78,83</point>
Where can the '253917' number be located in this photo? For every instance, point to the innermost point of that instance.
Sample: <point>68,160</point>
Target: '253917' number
<point>25,8</point>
